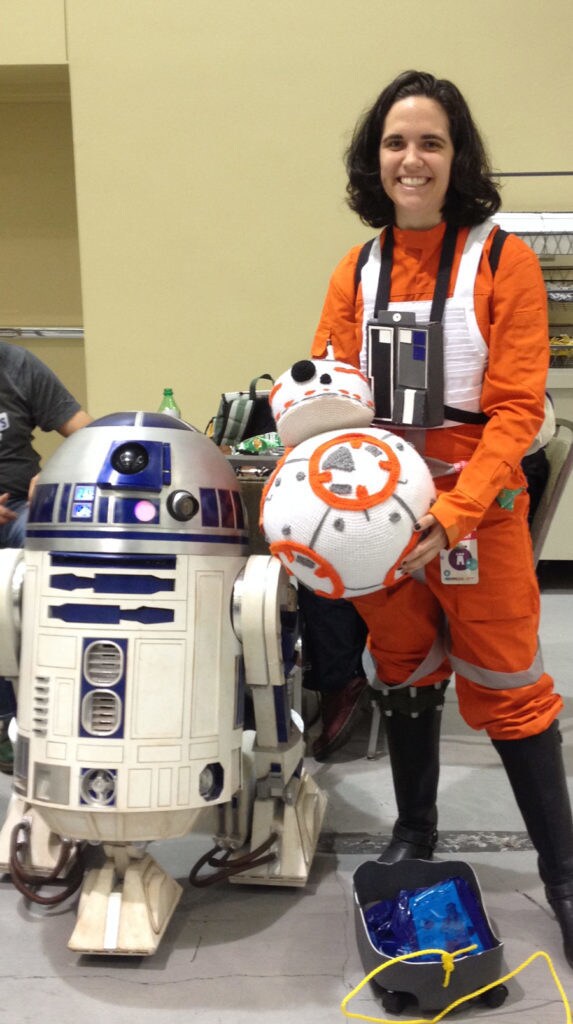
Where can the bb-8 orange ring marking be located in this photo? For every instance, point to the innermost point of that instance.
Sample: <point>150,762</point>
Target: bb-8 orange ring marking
<point>324,570</point>
<point>344,368</point>
<point>319,478</point>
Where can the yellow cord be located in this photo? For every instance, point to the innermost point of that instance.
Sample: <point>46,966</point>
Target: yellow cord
<point>449,965</point>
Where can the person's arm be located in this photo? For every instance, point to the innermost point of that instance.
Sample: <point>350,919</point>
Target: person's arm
<point>340,323</point>
<point>51,405</point>
<point>76,422</point>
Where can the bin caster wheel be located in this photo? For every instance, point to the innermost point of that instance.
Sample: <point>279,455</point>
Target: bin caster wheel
<point>495,996</point>
<point>395,1002</point>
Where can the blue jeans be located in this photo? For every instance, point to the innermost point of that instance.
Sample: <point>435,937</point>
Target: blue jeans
<point>334,638</point>
<point>12,535</point>
<point>7,700</point>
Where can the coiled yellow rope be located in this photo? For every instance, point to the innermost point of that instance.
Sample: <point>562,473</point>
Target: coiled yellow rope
<point>448,963</point>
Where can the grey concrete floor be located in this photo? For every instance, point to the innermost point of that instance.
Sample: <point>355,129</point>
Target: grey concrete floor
<point>246,955</point>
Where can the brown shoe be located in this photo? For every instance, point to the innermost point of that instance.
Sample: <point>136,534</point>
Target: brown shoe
<point>339,712</point>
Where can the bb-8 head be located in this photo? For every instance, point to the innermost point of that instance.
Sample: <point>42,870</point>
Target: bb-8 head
<point>340,508</point>
<point>315,395</point>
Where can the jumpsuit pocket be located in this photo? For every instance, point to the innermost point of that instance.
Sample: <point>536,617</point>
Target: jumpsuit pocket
<point>505,598</point>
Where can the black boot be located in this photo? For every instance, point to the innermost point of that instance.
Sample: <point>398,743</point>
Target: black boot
<point>537,775</point>
<point>413,745</point>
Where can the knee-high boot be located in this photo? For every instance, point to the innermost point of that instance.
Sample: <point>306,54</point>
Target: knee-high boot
<point>535,769</point>
<point>413,745</point>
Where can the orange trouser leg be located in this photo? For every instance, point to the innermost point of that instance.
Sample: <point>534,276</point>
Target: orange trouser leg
<point>492,626</point>
<point>403,623</point>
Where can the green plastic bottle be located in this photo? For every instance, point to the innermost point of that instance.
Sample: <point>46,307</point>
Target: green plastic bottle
<point>168,405</point>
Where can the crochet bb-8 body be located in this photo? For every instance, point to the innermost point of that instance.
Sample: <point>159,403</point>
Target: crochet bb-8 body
<point>340,508</point>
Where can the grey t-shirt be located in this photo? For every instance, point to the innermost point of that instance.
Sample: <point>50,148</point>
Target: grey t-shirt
<point>30,396</point>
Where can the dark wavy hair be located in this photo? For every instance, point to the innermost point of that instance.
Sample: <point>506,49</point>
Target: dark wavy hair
<point>471,197</point>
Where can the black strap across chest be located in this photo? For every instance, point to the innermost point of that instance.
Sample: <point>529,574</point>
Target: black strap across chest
<point>442,280</point>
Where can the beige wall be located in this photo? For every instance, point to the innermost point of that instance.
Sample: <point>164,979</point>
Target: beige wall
<point>207,146</point>
<point>32,32</point>
<point>39,254</point>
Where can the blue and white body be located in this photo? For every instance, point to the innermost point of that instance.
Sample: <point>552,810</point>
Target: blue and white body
<point>142,617</point>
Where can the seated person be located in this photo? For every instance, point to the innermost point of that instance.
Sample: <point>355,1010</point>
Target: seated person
<point>31,396</point>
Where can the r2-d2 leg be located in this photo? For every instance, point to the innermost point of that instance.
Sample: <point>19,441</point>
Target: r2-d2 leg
<point>288,804</point>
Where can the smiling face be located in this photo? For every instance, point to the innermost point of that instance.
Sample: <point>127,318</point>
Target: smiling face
<point>416,154</point>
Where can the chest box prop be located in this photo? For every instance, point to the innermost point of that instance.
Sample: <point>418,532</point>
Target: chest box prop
<point>405,365</point>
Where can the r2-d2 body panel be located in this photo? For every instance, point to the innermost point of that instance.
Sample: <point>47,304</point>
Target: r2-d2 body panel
<point>131,676</point>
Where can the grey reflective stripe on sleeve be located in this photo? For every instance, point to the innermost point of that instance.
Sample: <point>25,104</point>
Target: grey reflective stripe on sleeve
<point>499,680</point>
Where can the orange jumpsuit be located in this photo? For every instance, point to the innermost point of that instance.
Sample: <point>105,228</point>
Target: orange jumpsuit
<point>491,625</point>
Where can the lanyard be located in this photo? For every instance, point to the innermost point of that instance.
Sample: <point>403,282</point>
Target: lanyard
<point>442,280</point>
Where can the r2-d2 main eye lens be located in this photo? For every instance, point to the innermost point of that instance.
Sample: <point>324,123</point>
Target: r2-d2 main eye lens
<point>129,458</point>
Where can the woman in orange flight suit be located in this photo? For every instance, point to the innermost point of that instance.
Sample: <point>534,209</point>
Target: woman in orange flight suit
<point>417,168</point>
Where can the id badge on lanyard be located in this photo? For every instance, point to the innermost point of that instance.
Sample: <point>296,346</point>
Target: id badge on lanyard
<point>460,565</point>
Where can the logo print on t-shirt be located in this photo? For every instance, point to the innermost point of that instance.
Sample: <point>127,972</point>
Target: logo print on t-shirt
<point>4,421</point>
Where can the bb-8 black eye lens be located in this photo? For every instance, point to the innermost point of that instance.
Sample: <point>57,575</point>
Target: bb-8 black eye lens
<point>303,371</point>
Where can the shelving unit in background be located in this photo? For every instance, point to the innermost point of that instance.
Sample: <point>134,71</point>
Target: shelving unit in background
<point>550,235</point>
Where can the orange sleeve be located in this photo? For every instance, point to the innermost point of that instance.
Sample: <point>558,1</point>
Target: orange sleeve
<point>513,392</point>
<point>340,323</point>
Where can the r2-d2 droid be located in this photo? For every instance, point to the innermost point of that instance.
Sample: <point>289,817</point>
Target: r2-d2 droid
<point>143,619</point>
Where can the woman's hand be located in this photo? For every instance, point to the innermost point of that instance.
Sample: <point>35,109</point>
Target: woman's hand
<point>433,540</point>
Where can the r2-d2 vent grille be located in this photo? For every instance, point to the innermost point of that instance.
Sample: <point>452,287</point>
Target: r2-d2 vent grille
<point>103,663</point>
<point>40,706</point>
<point>101,712</point>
